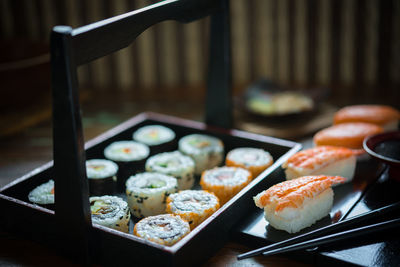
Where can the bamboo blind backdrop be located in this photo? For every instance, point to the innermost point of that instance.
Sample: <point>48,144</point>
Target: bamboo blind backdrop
<point>351,46</point>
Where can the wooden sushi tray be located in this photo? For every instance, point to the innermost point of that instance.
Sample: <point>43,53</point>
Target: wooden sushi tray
<point>109,246</point>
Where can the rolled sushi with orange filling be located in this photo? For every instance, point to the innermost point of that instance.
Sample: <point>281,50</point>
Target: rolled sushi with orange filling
<point>194,206</point>
<point>157,137</point>
<point>296,204</point>
<point>255,160</point>
<point>102,176</point>
<point>206,151</point>
<point>147,193</point>
<point>110,211</point>
<point>164,229</point>
<point>174,164</point>
<point>130,157</point>
<point>225,182</point>
<point>43,195</point>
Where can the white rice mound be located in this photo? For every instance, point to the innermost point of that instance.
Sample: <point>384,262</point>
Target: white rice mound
<point>116,213</point>
<point>146,200</point>
<point>42,194</point>
<point>165,229</point>
<point>249,156</point>
<point>206,156</point>
<point>175,164</point>
<point>163,135</point>
<point>293,220</point>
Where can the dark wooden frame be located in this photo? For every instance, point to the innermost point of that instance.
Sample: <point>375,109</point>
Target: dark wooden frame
<point>71,48</point>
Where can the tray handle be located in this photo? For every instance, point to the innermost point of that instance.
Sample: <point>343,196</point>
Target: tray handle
<point>73,47</point>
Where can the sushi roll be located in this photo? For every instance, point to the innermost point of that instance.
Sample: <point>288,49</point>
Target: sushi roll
<point>165,229</point>
<point>159,138</point>
<point>110,211</point>
<point>254,160</point>
<point>385,116</point>
<point>130,157</point>
<point>175,164</point>
<point>147,193</point>
<point>225,182</point>
<point>296,204</point>
<point>350,135</point>
<point>326,160</point>
<point>102,175</point>
<point>194,206</point>
<point>206,151</point>
<point>43,195</point>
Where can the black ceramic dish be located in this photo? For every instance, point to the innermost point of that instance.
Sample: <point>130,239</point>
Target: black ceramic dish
<point>264,90</point>
<point>350,200</point>
<point>385,147</point>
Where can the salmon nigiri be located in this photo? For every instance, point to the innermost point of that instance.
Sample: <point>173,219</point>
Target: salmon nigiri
<point>326,160</point>
<point>296,204</point>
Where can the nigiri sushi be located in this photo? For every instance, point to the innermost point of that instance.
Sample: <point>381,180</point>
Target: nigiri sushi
<point>296,204</point>
<point>326,160</point>
<point>349,134</point>
<point>384,116</point>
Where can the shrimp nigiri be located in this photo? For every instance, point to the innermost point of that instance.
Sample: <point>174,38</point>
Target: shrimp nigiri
<point>321,160</point>
<point>296,204</point>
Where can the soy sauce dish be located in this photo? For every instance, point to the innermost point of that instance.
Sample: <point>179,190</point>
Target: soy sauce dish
<point>385,147</point>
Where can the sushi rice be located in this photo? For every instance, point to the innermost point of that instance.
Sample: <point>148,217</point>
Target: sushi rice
<point>206,151</point>
<point>43,194</point>
<point>225,182</point>
<point>110,211</point>
<point>147,193</point>
<point>153,135</point>
<point>194,206</point>
<point>175,164</point>
<point>164,229</point>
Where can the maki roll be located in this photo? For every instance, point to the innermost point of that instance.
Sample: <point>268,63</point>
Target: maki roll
<point>225,182</point>
<point>206,151</point>
<point>130,157</point>
<point>165,229</point>
<point>102,175</point>
<point>159,138</point>
<point>175,164</point>
<point>194,206</point>
<point>110,211</point>
<point>254,160</point>
<point>147,193</point>
<point>43,195</point>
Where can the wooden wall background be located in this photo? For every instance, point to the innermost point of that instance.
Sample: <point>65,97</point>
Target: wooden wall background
<point>351,46</point>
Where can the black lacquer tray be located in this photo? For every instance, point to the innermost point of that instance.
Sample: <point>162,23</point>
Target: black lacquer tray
<point>370,189</point>
<point>110,247</point>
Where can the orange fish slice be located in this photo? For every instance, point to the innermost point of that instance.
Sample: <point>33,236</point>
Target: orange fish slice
<point>327,160</point>
<point>296,204</point>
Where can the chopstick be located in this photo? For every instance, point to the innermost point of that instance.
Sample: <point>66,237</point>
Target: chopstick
<point>324,230</point>
<point>329,239</point>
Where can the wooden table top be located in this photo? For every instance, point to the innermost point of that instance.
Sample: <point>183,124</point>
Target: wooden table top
<point>32,147</point>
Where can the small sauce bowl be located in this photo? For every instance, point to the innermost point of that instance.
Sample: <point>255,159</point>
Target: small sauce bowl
<point>385,147</point>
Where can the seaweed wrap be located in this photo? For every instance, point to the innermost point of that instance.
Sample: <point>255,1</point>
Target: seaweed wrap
<point>130,157</point>
<point>102,175</point>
